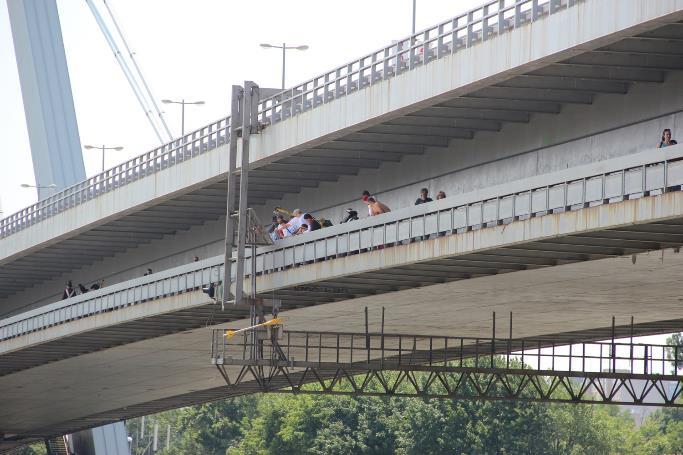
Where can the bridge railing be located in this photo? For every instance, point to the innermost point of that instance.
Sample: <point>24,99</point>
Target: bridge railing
<point>494,17</point>
<point>192,144</point>
<point>605,182</point>
<point>185,278</point>
<point>583,186</point>
<point>389,350</point>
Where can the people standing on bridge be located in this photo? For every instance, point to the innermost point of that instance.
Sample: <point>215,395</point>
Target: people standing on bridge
<point>68,291</point>
<point>351,215</point>
<point>364,197</point>
<point>82,288</point>
<point>424,197</point>
<point>440,195</point>
<point>292,227</point>
<point>313,224</point>
<point>666,139</point>
<point>376,208</point>
<point>280,228</point>
<point>148,272</point>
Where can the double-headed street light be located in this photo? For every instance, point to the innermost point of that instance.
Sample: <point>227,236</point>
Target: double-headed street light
<point>26,185</point>
<point>103,148</point>
<point>182,111</point>
<point>284,48</point>
<point>50,187</point>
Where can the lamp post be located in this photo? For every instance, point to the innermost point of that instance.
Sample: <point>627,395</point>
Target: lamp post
<point>182,111</point>
<point>414,8</point>
<point>50,187</point>
<point>103,148</point>
<point>284,48</point>
<point>26,185</point>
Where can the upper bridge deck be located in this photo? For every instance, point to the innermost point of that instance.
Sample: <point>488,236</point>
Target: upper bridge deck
<point>409,99</point>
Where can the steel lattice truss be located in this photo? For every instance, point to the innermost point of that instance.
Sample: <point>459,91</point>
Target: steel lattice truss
<point>462,384</point>
<point>448,367</point>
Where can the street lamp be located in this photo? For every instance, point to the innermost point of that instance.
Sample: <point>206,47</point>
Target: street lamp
<point>103,148</point>
<point>284,48</point>
<point>182,110</point>
<point>26,185</point>
<point>50,187</point>
<point>414,8</point>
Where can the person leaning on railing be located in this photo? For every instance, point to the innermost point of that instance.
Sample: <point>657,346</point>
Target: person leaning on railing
<point>375,207</point>
<point>666,139</point>
<point>69,291</point>
<point>424,197</point>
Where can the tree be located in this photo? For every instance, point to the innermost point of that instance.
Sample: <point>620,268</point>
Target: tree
<point>675,354</point>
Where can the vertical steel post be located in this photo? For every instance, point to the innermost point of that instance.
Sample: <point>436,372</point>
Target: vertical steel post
<point>493,339</point>
<point>367,334</point>
<point>182,120</point>
<point>251,97</point>
<point>236,108</point>
<point>614,347</point>
<point>631,345</point>
<point>284,51</point>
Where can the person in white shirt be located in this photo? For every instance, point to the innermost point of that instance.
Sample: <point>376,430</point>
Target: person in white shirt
<point>292,227</point>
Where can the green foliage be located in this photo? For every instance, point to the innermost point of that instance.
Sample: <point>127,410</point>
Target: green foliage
<point>322,424</point>
<point>675,339</point>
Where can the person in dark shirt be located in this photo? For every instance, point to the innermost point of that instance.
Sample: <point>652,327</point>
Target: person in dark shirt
<point>666,139</point>
<point>424,197</point>
<point>82,288</point>
<point>313,224</point>
<point>351,215</point>
<point>69,291</point>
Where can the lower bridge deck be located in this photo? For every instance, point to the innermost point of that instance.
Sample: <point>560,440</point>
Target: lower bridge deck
<point>141,346</point>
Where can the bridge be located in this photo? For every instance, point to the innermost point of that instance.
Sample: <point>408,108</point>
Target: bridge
<point>559,209</point>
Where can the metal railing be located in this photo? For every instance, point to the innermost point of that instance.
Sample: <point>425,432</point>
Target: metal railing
<point>599,183</point>
<point>603,182</point>
<point>492,18</point>
<point>189,146</point>
<point>322,350</point>
<point>181,279</point>
<point>456,368</point>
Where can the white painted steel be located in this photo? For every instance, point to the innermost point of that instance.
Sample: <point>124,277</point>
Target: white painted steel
<point>599,183</point>
<point>461,32</point>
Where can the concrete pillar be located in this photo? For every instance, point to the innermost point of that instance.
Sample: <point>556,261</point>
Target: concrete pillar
<point>46,91</point>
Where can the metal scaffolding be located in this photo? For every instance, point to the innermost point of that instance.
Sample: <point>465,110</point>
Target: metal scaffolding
<point>379,364</point>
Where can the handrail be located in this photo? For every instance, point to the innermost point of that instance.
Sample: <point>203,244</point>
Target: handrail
<point>350,350</point>
<point>448,37</point>
<point>599,183</point>
<point>192,144</point>
<point>494,17</point>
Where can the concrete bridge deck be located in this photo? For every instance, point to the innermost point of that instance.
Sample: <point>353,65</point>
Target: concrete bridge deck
<point>540,65</point>
<point>563,249</point>
<point>570,272</point>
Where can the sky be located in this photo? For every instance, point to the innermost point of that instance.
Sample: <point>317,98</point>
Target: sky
<point>193,50</point>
